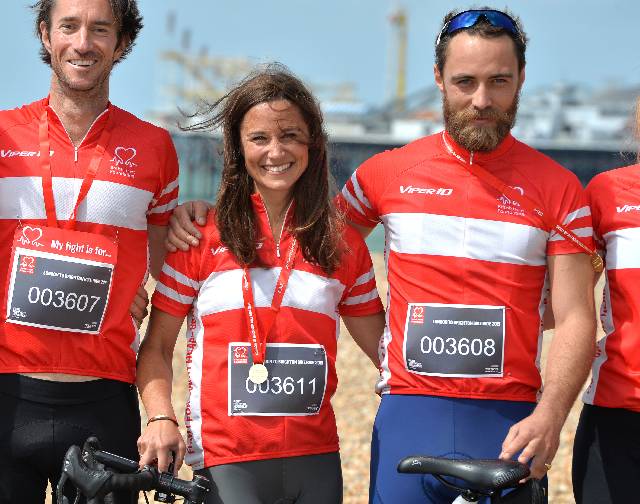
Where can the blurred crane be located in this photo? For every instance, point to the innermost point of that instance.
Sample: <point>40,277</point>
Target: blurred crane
<point>203,77</point>
<point>398,20</point>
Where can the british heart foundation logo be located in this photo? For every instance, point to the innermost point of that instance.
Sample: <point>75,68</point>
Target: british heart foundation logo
<point>27,265</point>
<point>241,355</point>
<point>31,236</point>
<point>122,162</point>
<point>417,315</point>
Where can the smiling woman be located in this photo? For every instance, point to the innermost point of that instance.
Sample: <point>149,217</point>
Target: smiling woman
<point>274,271</point>
<point>274,140</point>
<point>271,119</point>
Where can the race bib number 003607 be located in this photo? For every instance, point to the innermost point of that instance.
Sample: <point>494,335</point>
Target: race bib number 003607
<point>454,340</point>
<point>60,279</point>
<point>295,387</point>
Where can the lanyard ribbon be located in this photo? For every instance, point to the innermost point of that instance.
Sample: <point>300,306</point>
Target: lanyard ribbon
<point>529,204</point>
<point>258,337</point>
<point>47,177</point>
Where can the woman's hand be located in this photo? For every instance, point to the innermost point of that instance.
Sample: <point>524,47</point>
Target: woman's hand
<point>158,440</point>
<point>154,379</point>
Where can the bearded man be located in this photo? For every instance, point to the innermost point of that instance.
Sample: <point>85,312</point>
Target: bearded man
<point>479,228</point>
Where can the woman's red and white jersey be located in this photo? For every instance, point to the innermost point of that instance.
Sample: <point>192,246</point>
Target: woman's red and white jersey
<point>136,184</point>
<point>206,283</point>
<point>614,197</point>
<point>467,266</point>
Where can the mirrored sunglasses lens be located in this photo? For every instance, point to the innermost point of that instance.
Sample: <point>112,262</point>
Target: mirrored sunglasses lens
<point>463,20</point>
<point>500,20</point>
<point>470,18</point>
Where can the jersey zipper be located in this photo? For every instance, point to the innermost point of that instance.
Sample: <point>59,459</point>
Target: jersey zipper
<point>77,147</point>
<point>455,154</point>
<point>286,214</point>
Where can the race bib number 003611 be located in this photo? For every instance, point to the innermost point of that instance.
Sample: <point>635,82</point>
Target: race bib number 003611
<point>454,340</point>
<point>295,387</point>
<point>60,279</point>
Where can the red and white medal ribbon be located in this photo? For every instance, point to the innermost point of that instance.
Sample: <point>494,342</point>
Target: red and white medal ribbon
<point>258,338</point>
<point>47,177</point>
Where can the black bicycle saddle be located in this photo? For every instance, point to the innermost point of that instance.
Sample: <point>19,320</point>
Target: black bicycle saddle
<point>479,473</point>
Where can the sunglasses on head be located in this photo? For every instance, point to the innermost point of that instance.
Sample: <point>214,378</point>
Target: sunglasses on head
<point>469,18</point>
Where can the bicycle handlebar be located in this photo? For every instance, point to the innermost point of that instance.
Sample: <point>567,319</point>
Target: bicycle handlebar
<point>88,470</point>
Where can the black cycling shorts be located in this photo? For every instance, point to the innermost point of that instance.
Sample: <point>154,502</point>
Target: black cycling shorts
<point>606,456</point>
<point>39,421</point>
<point>311,479</point>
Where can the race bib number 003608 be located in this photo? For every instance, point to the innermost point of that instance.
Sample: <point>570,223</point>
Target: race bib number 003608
<point>295,387</point>
<point>454,340</point>
<point>60,279</point>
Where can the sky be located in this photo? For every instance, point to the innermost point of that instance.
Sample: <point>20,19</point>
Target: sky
<point>335,41</point>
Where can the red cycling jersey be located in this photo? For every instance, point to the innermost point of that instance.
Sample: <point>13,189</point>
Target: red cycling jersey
<point>614,197</point>
<point>206,283</point>
<point>467,267</point>
<point>136,184</point>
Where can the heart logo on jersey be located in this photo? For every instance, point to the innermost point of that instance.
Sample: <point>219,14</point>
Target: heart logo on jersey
<point>240,355</point>
<point>125,155</point>
<point>30,236</point>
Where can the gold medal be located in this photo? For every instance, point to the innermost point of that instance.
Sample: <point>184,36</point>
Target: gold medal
<point>258,373</point>
<point>597,262</point>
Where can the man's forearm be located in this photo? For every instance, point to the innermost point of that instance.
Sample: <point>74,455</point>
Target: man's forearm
<point>568,363</point>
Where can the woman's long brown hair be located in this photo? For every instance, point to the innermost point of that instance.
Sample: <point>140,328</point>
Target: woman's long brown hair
<point>315,222</point>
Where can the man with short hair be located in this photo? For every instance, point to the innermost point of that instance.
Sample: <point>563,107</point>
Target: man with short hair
<point>86,190</point>
<point>471,220</point>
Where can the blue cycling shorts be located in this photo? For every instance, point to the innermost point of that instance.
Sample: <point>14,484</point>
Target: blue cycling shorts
<point>436,426</point>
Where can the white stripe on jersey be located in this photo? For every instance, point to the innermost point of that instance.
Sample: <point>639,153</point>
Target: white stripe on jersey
<point>606,318</point>
<point>193,414</point>
<point>363,298</point>
<point>107,202</point>
<point>351,200</point>
<point>542,307</point>
<point>382,386</point>
<point>179,277</point>
<point>577,214</point>
<point>449,236</point>
<point>170,187</point>
<point>584,232</point>
<point>363,279</point>
<point>622,248</point>
<point>172,294</point>
<point>135,344</point>
<point>164,208</point>
<point>222,291</point>
<point>358,190</point>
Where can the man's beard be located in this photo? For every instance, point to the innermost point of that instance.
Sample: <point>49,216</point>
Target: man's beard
<point>459,124</point>
<point>67,83</point>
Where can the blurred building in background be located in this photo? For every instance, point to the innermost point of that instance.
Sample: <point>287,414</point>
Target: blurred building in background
<point>586,130</point>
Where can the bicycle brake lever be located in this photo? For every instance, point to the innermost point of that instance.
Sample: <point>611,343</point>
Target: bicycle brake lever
<point>163,496</point>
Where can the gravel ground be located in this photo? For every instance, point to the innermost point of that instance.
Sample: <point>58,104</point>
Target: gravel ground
<point>355,406</point>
